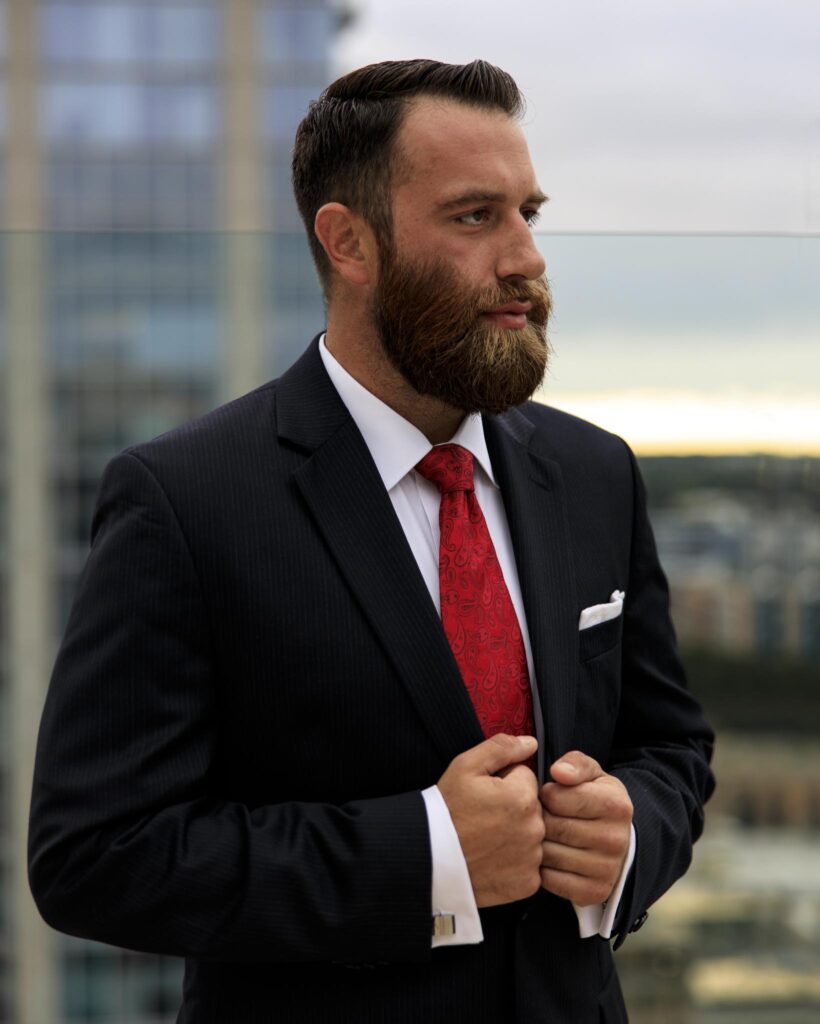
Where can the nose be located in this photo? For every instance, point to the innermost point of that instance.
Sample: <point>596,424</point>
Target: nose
<point>520,256</point>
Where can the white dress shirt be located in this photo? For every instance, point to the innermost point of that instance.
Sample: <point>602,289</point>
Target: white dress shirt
<point>396,446</point>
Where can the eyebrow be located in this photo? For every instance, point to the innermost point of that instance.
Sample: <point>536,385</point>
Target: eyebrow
<point>536,198</point>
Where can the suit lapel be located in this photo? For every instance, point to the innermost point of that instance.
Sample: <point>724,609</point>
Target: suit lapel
<point>353,512</point>
<point>533,490</point>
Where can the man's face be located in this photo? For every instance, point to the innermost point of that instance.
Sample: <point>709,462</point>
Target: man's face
<point>461,304</point>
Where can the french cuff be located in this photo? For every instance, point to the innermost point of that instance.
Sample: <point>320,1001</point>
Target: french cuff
<point>599,918</point>
<point>452,894</point>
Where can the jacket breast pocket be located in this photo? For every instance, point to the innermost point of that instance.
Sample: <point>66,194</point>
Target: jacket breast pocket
<point>599,639</point>
<point>599,687</point>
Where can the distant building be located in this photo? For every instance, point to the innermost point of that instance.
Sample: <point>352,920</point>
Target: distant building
<point>153,264</point>
<point>743,579</point>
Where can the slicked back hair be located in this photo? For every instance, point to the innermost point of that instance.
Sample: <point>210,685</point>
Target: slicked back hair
<point>345,145</point>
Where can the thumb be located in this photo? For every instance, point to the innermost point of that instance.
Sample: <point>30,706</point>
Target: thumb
<point>498,752</point>
<point>574,767</point>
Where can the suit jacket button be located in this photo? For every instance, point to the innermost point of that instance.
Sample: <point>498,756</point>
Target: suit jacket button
<point>640,922</point>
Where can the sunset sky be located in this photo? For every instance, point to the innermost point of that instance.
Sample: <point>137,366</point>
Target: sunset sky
<point>680,147</point>
<point>689,344</point>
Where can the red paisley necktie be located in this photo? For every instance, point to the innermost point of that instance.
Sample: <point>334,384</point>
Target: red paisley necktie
<point>476,611</point>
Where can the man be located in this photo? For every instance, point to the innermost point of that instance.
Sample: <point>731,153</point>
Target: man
<point>369,703</point>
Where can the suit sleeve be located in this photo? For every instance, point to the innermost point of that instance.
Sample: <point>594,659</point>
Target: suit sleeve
<point>128,844</point>
<point>663,744</point>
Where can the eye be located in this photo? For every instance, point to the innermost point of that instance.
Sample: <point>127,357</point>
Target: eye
<point>531,216</point>
<point>474,217</point>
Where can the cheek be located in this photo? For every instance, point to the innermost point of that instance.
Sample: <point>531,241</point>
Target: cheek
<point>476,264</point>
<point>418,241</point>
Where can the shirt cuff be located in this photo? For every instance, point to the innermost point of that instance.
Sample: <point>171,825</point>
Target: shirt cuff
<point>599,918</point>
<point>452,889</point>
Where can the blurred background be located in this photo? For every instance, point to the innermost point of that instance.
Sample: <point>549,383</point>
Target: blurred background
<point>152,265</point>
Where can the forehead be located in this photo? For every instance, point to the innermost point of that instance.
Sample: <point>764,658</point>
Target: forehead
<point>444,145</point>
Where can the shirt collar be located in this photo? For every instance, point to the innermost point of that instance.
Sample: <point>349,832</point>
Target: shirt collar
<point>394,443</point>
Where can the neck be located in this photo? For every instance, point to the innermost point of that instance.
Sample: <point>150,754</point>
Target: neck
<point>357,348</point>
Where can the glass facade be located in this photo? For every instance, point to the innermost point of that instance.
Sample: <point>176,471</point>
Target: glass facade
<point>5,758</point>
<point>135,245</point>
<point>295,33</point>
<point>168,34</point>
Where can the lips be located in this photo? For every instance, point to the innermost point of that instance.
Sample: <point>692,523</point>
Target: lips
<point>512,316</point>
<point>511,307</point>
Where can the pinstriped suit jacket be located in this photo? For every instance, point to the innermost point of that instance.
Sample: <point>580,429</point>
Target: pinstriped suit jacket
<point>254,687</point>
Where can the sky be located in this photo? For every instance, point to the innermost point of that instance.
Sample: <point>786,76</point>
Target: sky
<point>650,118</point>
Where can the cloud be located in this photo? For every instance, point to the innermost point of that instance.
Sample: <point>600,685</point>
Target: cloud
<point>702,115</point>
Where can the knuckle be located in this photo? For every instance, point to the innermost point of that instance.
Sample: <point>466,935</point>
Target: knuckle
<point>527,804</point>
<point>531,782</point>
<point>459,761</point>
<point>536,831</point>
<point>611,806</point>
<point>608,843</point>
<point>618,795</point>
<point>612,842</point>
<point>619,809</point>
<point>535,883</point>
<point>529,884</point>
<point>626,810</point>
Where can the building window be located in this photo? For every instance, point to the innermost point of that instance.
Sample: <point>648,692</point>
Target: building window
<point>296,33</point>
<point>123,33</point>
<point>123,113</point>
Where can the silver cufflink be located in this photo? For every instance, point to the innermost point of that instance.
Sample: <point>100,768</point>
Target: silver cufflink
<point>444,925</point>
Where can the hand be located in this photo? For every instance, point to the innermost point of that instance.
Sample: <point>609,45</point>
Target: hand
<point>587,820</point>
<point>498,817</point>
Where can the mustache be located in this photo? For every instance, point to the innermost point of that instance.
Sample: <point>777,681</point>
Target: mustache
<point>536,293</point>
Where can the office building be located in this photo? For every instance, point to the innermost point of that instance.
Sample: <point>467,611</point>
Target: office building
<point>152,265</point>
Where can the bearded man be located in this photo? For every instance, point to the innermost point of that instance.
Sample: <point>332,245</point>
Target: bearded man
<point>369,704</point>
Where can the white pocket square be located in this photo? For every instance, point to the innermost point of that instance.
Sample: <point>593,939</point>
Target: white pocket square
<point>599,613</point>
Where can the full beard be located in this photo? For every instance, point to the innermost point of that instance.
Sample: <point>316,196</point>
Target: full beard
<point>430,325</point>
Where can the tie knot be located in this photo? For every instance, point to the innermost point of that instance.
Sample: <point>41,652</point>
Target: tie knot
<point>449,467</point>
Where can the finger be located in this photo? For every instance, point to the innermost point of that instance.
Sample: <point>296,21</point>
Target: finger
<point>604,839</point>
<point>582,891</point>
<point>582,801</point>
<point>521,775</point>
<point>603,798</point>
<point>574,768</point>
<point>587,863</point>
<point>498,752</point>
<point>575,832</point>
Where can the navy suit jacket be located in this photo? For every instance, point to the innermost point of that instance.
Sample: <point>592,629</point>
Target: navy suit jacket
<point>254,687</point>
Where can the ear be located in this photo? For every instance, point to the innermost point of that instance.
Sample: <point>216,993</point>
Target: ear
<point>348,241</point>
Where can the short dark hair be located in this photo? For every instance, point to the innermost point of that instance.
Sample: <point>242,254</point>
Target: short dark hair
<point>344,145</point>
